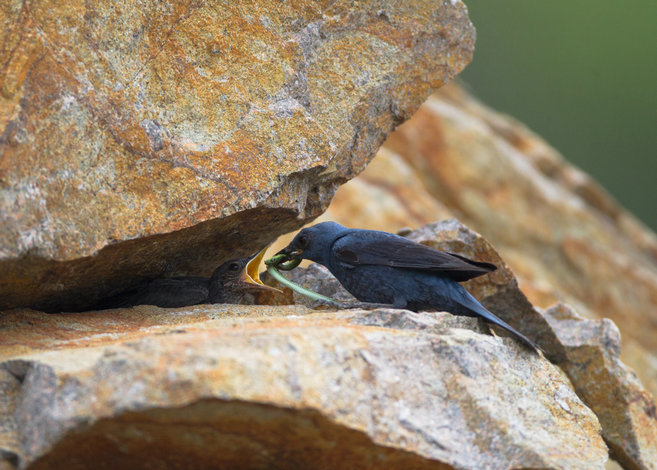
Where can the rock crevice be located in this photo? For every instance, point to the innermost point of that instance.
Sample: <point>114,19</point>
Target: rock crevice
<point>156,118</point>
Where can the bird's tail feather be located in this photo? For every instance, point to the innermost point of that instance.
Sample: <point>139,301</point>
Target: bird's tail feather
<point>480,310</point>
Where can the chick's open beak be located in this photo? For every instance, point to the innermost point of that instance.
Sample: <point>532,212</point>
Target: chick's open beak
<point>250,274</point>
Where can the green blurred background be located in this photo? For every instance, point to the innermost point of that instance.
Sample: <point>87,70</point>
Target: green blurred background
<point>583,75</point>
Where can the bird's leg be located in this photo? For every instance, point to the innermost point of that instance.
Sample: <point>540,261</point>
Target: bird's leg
<point>489,327</point>
<point>364,305</point>
<point>398,303</point>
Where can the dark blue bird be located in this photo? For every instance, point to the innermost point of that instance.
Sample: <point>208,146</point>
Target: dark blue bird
<point>382,268</point>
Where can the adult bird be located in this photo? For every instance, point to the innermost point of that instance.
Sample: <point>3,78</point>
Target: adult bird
<point>383,268</point>
<point>231,283</point>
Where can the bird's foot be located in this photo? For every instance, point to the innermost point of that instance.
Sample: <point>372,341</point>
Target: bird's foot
<point>489,328</point>
<point>364,305</point>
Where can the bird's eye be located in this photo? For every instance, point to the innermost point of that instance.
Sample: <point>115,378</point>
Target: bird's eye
<point>234,266</point>
<point>303,240</point>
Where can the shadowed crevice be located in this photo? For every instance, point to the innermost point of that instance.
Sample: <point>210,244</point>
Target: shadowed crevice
<point>230,435</point>
<point>57,286</point>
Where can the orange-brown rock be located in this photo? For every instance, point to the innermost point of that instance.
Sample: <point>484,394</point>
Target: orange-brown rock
<point>230,387</point>
<point>550,221</point>
<point>624,407</point>
<point>562,235</point>
<point>159,138</point>
<point>587,350</point>
<point>557,228</point>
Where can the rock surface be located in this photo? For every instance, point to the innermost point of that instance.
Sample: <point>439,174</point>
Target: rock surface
<point>218,116</point>
<point>263,387</point>
<point>550,221</point>
<point>587,350</point>
<point>395,389</point>
<point>563,236</point>
<point>148,140</point>
<point>624,407</point>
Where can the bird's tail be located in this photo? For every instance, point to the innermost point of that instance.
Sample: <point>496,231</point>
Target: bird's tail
<point>474,306</point>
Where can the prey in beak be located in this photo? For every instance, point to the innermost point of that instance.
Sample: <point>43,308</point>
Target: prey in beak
<point>290,253</point>
<point>290,256</point>
<point>285,260</point>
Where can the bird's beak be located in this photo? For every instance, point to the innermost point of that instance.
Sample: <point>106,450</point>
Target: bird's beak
<point>250,274</point>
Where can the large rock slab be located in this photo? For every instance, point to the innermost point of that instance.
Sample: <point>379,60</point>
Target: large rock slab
<point>587,350</point>
<point>564,237</point>
<point>160,138</point>
<point>612,390</point>
<point>281,387</point>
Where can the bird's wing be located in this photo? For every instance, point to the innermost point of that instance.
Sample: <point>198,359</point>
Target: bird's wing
<point>171,293</point>
<point>368,247</point>
<point>174,292</point>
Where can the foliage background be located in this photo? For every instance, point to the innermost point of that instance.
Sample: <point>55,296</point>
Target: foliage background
<point>584,76</point>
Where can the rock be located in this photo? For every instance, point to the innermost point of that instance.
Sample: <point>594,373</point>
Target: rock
<point>624,407</point>
<point>318,279</point>
<point>560,233</point>
<point>388,195</point>
<point>563,235</point>
<point>162,138</point>
<point>152,165</point>
<point>256,387</point>
<point>587,350</point>
<point>9,396</point>
<point>642,361</point>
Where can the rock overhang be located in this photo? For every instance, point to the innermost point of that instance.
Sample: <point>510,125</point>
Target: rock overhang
<point>145,126</point>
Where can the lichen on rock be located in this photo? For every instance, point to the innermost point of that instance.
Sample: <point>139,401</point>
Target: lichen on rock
<point>161,138</point>
<point>393,388</point>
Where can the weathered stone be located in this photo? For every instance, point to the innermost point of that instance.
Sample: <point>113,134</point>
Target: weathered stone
<point>9,395</point>
<point>587,350</point>
<point>258,387</point>
<point>388,195</point>
<point>498,291</point>
<point>559,232</point>
<point>227,435</point>
<point>643,362</point>
<point>562,234</point>
<point>160,138</point>
<point>624,407</point>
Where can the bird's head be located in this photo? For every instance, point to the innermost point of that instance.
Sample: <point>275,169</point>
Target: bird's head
<point>239,275</point>
<point>314,243</point>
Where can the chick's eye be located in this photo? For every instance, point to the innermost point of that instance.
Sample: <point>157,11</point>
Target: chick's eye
<point>234,266</point>
<point>303,240</point>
